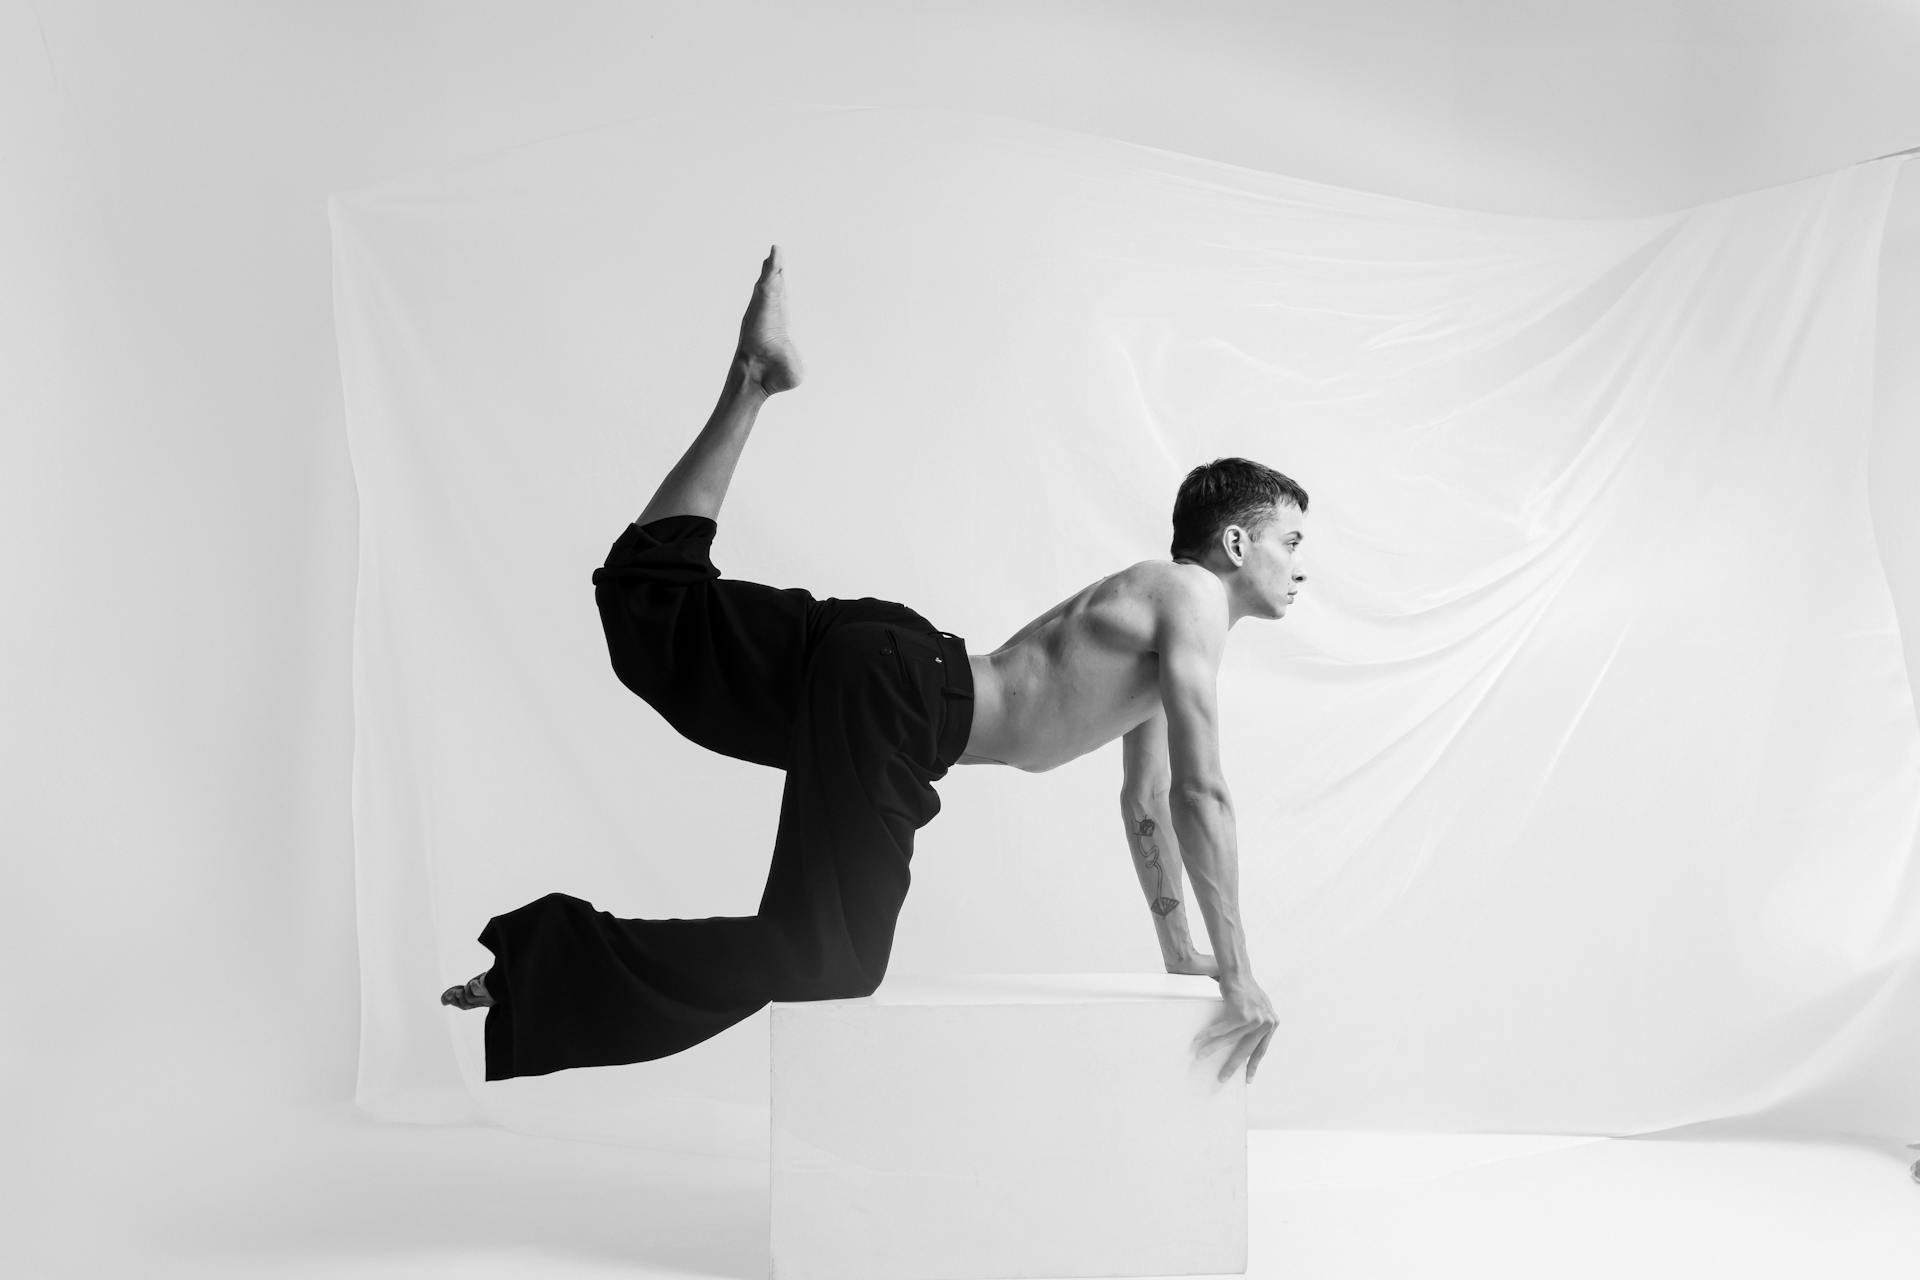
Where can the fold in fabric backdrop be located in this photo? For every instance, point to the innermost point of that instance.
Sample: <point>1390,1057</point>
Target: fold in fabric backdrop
<point>1577,794</point>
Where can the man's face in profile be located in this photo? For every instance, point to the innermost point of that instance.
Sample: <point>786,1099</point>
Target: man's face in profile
<point>1275,557</point>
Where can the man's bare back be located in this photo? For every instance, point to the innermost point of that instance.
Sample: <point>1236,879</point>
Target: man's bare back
<point>1089,669</point>
<point>1076,677</point>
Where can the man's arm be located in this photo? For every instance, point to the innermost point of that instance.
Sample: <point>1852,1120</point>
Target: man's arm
<point>1145,792</point>
<point>1190,635</point>
<point>1190,638</point>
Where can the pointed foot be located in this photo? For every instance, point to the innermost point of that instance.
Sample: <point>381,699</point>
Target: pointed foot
<point>768,354</point>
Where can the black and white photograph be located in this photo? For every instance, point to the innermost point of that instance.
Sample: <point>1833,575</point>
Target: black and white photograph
<point>960,640</point>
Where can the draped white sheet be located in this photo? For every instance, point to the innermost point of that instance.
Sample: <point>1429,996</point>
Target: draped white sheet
<point>1577,794</point>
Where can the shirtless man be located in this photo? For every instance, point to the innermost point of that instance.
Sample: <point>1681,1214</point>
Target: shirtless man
<point>1134,656</point>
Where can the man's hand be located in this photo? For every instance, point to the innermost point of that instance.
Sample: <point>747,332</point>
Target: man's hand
<point>1195,962</point>
<point>1246,1023</point>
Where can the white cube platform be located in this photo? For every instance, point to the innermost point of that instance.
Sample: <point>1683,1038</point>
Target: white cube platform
<point>1002,1125</point>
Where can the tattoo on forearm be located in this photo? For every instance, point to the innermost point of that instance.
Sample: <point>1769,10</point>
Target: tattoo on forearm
<point>1150,859</point>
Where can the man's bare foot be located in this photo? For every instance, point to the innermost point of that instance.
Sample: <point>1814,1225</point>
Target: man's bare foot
<point>765,350</point>
<point>473,995</point>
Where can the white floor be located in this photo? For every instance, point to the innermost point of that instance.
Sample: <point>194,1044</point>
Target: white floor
<point>331,1194</point>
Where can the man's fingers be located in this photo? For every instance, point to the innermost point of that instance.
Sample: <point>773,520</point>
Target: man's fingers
<point>1208,1036</point>
<point>1249,1047</point>
<point>1216,1033</point>
<point>1243,1043</point>
<point>1234,1059</point>
<point>1249,1041</point>
<point>1253,1063</point>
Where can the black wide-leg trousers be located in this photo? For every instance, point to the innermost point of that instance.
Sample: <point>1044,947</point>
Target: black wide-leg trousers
<point>864,704</point>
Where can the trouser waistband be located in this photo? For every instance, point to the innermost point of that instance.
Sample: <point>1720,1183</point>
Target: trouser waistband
<point>957,687</point>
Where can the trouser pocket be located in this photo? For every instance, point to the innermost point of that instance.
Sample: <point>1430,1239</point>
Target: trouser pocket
<point>902,664</point>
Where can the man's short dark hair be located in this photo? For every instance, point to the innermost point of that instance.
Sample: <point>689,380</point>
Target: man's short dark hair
<point>1228,491</point>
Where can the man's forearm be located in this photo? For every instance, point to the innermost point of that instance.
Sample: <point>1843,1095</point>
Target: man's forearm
<point>1210,849</point>
<point>1156,860</point>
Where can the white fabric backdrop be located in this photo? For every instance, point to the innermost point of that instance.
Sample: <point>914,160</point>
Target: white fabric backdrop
<point>1578,794</point>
